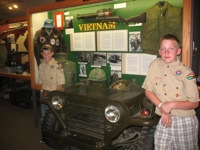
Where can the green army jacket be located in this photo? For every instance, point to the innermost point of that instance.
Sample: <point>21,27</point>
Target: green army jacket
<point>160,20</point>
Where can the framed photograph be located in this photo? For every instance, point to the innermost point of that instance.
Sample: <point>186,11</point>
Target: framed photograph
<point>135,42</point>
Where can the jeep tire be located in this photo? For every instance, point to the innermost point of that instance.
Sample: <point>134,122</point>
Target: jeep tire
<point>50,123</point>
<point>146,141</point>
<point>136,138</point>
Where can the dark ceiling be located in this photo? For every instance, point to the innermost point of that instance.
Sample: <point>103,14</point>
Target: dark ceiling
<point>21,11</point>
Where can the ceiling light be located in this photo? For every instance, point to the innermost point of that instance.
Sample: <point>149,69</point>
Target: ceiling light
<point>10,7</point>
<point>13,6</point>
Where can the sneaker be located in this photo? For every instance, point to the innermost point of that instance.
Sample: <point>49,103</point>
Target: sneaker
<point>42,140</point>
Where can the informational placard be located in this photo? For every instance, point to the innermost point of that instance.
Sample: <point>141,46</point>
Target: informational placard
<point>115,40</point>
<point>83,41</point>
<point>137,64</point>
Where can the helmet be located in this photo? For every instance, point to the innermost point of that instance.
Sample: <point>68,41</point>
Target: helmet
<point>121,85</point>
<point>97,74</point>
<point>19,69</point>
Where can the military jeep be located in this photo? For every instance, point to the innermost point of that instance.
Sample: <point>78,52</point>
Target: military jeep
<point>90,118</point>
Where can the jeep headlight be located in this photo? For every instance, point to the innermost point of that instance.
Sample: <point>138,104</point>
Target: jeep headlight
<point>57,102</point>
<point>112,114</point>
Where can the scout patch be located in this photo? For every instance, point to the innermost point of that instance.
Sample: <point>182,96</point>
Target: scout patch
<point>190,76</point>
<point>42,39</point>
<point>178,72</point>
<point>59,66</point>
<point>52,41</point>
<point>177,94</point>
<point>57,42</point>
<point>52,66</point>
<point>55,36</point>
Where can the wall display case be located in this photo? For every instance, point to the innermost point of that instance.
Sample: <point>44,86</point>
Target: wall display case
<point>36,18</point>
<point>97,17</point>
<point>14,57</point>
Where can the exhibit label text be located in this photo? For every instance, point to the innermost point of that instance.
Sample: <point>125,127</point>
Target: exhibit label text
<point>97,26</point>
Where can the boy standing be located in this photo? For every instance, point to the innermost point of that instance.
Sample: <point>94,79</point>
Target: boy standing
<point>51,75</point>
<point>171,86</point>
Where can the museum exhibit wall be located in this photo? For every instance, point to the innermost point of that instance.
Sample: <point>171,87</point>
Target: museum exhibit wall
<point>105,35</point>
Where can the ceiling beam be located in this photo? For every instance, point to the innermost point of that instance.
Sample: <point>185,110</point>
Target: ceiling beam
<point>13,20</point>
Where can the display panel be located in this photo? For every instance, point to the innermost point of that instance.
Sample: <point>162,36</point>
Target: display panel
<point>89,28</point>
<point>36,29</point>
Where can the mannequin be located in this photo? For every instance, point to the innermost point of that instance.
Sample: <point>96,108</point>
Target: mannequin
<point>48,35</point>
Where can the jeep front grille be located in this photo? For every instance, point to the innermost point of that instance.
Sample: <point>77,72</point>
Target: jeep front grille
<point>85,120</point>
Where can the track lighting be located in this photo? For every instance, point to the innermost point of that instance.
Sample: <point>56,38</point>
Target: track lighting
<point>13,6</point>
<point>10,7</point>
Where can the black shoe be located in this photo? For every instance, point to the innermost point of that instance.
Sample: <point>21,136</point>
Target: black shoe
<point>42,140</point>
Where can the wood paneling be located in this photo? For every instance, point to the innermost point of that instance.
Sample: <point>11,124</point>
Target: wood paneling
<point>16,76</point>
<point>187,19</point>
<point>14,20</point>
<point>63,4</point>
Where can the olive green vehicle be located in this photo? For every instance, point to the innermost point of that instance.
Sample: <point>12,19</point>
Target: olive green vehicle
<point>91,118</point>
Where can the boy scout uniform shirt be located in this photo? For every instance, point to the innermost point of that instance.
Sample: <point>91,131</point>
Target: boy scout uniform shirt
<point>172,82</point>
<point>50,75</point>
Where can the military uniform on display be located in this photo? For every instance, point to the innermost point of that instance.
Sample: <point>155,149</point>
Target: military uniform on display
<point>48,35</point>
<point>161,19</point>
<point>48,73</point>
<point>168,84</point>
<point>69,68</point>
